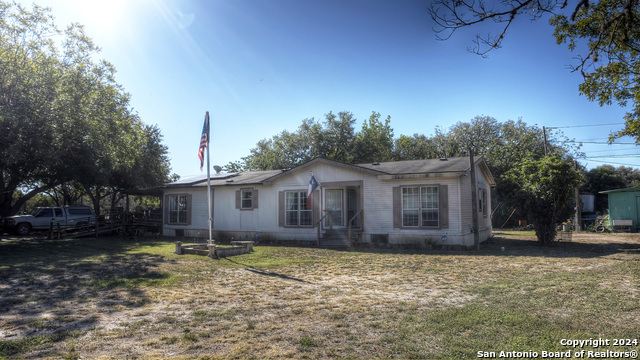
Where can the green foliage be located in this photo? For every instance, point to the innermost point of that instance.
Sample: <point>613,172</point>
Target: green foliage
<point>607,177</point>
<point>415,147</point>
<point>544,188</point>
<point>605,33</point>
<point>334,139</point>
<point>610,66</point>
<point>307,341</point>
<point>375,141</point>
<point>63,117</point>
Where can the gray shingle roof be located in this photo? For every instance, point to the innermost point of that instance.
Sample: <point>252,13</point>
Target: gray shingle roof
<point>245,178</point>
<point>421,166</point>
<point>457,164</point>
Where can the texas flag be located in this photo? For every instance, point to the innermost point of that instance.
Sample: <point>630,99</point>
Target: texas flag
<point>313,184</point>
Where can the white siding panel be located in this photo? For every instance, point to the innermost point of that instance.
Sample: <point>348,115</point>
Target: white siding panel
<point>228,218</point>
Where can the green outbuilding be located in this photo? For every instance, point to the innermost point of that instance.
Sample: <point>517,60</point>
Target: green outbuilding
<point>624,208</point>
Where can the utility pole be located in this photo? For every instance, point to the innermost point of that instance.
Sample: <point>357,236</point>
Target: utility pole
<point>474,200</point>
<point>544,135</point>
<point>578,224</point>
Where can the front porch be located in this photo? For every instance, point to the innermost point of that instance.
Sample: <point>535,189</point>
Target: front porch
<point>341,224</point>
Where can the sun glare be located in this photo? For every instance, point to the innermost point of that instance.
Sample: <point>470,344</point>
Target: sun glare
<point>100,15</point>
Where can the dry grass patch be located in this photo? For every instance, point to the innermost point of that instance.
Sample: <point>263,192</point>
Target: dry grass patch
<point>114,298</point>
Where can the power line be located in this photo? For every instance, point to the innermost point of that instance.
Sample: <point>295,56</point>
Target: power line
<point>616,163</point>
<point>612,156</point>
<point>577,126</point>
<point>598,142</point>
<point>604,151</point>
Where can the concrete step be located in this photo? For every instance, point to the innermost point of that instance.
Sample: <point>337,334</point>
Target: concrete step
<point>335,234</point>
<point>337,238</point>
<point>334,243</point>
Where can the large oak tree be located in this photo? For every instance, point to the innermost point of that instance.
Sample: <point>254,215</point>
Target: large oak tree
<point>64,118</point>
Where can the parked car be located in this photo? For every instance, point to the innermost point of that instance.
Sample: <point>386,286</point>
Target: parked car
<point>70,217</point>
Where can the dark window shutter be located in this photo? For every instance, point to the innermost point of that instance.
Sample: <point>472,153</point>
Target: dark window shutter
<point>397,210</point>
<point>316,207</point>
<point>281,208</point>
<point>255,199</point>
<point>190,208</point>
<point>238,198</point>
<point>444,206</point>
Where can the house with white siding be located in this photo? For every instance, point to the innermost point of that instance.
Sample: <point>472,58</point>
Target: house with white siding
<point>419,202</point>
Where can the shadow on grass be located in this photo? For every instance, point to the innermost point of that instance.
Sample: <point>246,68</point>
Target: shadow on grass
<point>566,246</point>
<point>47,283</point>
<point>502,244</point>
<point>266,273</point>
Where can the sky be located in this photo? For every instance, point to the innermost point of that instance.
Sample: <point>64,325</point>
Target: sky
<point>262,66</point>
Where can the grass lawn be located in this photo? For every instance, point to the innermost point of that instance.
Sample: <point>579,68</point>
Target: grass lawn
<point>123,298</point>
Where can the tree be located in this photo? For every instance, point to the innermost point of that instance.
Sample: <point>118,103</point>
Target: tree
<point>544,188</point>
<point>335,140</point>
<point>374,142</point>
<point>415,147</point>
<point>607,177</point>
<point>605,32</point>
<point>338,137</point>
<point>63,117</point>
<point>29,70</point>
<point>503,146</point>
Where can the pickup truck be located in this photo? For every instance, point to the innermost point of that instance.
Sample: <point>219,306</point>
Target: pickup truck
<point>70,217</point>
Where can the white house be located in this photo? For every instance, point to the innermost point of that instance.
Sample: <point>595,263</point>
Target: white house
<point>404,202</point>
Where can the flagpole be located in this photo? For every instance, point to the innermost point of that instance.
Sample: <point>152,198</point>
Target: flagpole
<point>209,184</point>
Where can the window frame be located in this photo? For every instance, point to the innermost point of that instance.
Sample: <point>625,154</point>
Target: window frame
<point>243,199</point>
<point>482,202</point>
<point>179,211</point>
<point>300,208</point>
<point>420,208</point>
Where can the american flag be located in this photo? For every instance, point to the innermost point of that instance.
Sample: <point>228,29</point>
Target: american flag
<point>204,140</point>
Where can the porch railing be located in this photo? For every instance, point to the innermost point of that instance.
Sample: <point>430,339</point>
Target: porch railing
<point>319,224</point>
<point>350,223</point>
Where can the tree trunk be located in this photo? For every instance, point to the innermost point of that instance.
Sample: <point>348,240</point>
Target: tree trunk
<point>546,233</point>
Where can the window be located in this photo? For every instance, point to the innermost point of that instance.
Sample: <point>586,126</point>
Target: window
<point>45,212</point>
<point>420,206</point>
<point>246,201</point>
<point>482,202</point>
<point>178,209</point>
<point>429,205</point>
<point>296,212</point>
<point>79,211</point>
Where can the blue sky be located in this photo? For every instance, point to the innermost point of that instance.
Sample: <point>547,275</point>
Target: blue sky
<point>262,66</point>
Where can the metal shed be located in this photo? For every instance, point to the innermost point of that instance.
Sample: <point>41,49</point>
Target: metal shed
<point>624,208</point>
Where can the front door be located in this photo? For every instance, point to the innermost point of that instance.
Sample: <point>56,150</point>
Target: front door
<point>334,203</point>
